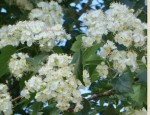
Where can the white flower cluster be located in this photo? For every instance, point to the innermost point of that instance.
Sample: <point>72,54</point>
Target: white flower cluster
<point>24,4</point>
<point>86,77</point>
<point>18,65</point>
<point>126,30</point>
<point>50,13</point>
<point>45,36</point>
<point>46,31</point>
<point>126,27</point>
<point>102,70</point>
<point>107,49</point>
<point>144,59</point>
<point>97,26</point>
<point>32,32</point>
<point>56,80</point>
<point>10,35</point>
<point>5,101</point>
<point>131,111</point>
<point>122,59</point>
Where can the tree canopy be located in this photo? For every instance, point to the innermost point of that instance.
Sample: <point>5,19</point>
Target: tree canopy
<point>73,57</point>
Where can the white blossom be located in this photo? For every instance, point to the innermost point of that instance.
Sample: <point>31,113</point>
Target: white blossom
<point>102,70</point>
<point>9,35</point>
<point>25,93</point>
<point>56,80</point>
<point>107,48</point>
<point>34,84</point>
<point>96,22</point>
<point>131,111</point>
<point>33,32</point>
<point>5,100</point>
<point>124,37</point>
<point>125,26</point>
<point>86,78</point>
<point>143,59</point>
<point>122,59</point>
<point>50,13</point>
<point>132,60</point>
<point>18,65</point>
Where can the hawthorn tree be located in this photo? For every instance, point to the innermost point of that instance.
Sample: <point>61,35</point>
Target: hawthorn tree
<point>73,57</point>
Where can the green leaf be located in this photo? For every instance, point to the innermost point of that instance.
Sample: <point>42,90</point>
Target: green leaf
<point>57,49</point>
<point>46,110</point>
<point>86,94</point>
<point>86,107</point>
<point>95,61</point>
<point>36,108</point>
<point>122,84</point>
<point>139,97</point>
<point>75,57</point>
<point>69,113</point>
<point>139,4</point>
<point>3,69</point>
<point>28,102</point>
<point>50,110</point>
<point>94,77</point>
<point>142,75</point>
<point>23,100</point>
<point>5,55</point>
<point>79,67</point>
<point>129,3</point>
<point>90,55</point>
<point>36,61</point>
<point>110,111</point>
<point>77,44</point>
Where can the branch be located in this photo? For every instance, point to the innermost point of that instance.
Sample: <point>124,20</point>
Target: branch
<point>94,96</point>
<point>15,99</point>
<point>104,94</point>
<point>83,10</point>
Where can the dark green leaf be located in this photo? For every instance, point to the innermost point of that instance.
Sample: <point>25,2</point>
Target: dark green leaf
<point>69,113</point>
<point>139,4</point>
<point>142,75</point>
<point>86,94</point>
<point>77,44</point>
<point>139,97</point>
<point>110,111</point>
<point>95,61</point>
<point>86,107</point>
<point>129,3</point>
<point>46,110</point>
<point>123,84</point>
<point>95,76</point>
<point>36,108</point>
<point>5,55</point>
<point>90,54</point>
<point>75,57</point>
<point>50,110</point>
<point>57,49</point>
<point>79,67</point>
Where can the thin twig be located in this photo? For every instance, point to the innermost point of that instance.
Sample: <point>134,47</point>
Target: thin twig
<point>104,94</point>
<point>95,96</point>
<point>15,99</point>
